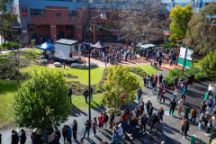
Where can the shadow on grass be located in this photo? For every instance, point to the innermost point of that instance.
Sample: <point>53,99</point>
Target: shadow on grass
<point>97,107</point>
<point>8,86</point>
<point>76,112</point>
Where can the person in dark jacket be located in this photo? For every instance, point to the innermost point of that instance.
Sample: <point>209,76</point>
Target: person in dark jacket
<point>75,128</point>
<point>14,137</point>
<point>69,134</point>
<point>86,94</point>
<point>144,120</point>
<point>22,136</point>
<point>57,136</point>
<point>70,92</point>
<point>186,127</point>
<point>87,128</point>
<point>172,107</point>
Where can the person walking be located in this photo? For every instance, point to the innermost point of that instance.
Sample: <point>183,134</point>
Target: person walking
<point>160,79</point>
<point>180,107</point>
<point>22,136</point>
<point>75,129</point>
<point>172,107</point>
<point>112,117</point>
<point>209,127</point>
<point>87,128</point>
<point>193,115</point>
<point>101,121</point>
<point>186,127</point>
<point>162,97</point>
<point>94,125</point>
<point>14,137</point>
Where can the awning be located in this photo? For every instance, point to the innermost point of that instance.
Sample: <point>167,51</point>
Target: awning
<point>96,45</point>
<point>45,46</point>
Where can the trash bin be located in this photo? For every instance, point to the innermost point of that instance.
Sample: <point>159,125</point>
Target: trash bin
<point>193,139</point>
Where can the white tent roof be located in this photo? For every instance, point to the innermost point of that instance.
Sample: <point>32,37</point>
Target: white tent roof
<point>66,41</point>
<point>145,46</point>
<point>96,45</point>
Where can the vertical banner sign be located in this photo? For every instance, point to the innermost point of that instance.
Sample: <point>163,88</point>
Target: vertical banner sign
<point>185,57</point>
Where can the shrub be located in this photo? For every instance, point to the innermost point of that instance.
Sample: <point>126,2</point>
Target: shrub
<point>117,112</point>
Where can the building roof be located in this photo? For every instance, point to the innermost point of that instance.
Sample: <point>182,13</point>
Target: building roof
<point>66,41</point>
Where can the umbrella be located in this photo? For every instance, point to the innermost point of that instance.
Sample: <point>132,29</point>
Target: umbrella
<point>45,46</point>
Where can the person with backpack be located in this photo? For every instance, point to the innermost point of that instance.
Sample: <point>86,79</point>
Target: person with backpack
<point>87,128</point>
<point>193,115</point>
<point>22,136</point>
<point>106,119</point>
<point>14,137</point>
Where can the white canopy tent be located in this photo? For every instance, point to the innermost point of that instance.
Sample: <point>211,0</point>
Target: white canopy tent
<point>96,45</point>
<point>145,46</point>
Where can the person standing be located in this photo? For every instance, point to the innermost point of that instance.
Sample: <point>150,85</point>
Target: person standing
<point>186,127</point>
<point>106,119</point>
<point>69,134</point>
<point>57,136</point>
<point>172,107</point>
<point>14,137</point>
<point>22,136</point>
<point>186,111</point>
<point>160,79</point>
<point>101,121</point>
<point>0,138</point>
<point>112,117</point>
<point>139,94</point>
<point>180,106</point>
<point>94,126</point>
<point>70,92</point>
<point>86,94</point>
<point>87,128</point>
<point>74,129</point>
<point>144,120</point>
<point>161,113</point>
<point>193,115</point>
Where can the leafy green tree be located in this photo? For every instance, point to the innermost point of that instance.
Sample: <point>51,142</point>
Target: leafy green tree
<point>201,33</point>
<point>42,102</point>
<point>179,16</point>
<point>208,65</point>
<point>7,21</point>
<point>120,87</point>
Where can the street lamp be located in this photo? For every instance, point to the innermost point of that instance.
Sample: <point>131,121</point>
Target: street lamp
<point>103,16</point>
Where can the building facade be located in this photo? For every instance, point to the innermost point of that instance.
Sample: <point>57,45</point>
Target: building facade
<point>54,19</point>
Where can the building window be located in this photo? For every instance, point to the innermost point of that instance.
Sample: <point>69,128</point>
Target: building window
<point>73,13</point>
<point>37,12</point>
<point>58,14</point>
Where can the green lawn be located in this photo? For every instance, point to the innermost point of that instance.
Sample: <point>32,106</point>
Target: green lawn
<point>82,74</point>
<point>7,91</point>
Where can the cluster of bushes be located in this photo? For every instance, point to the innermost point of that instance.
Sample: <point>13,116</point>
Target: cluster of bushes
<point>138,71</point>
<point>198,74</point>
<point>9,45</point>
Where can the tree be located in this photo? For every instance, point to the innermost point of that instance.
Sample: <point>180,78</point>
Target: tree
<point>120,87</point>
<point>7,21</point>
<point>179,16</point>
<point>208,65</point>
<point>201,31</point>
<point>139,20</point>
<point>42,102</point>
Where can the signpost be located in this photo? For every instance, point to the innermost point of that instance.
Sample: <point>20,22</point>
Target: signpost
<point>185,58</point>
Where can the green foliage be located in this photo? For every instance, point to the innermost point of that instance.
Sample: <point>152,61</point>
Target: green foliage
<point>208,65</point>
<point>9,45</point>
<point>42,101</point>
<point>168,45</point>
<point>139,71</point>
<point>201,33</point>
<point>120,87</point>
<point>117,112</point>
<point>179,16</point>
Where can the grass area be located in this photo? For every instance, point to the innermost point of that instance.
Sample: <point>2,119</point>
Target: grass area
<point>82,74</point>
<point>8,89</point>
<point>149,69</point>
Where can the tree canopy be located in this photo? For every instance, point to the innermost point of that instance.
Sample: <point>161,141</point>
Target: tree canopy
<point>208,65</point>
<point>179,16</point>
<point>120,87</point>
<point>201,33</point>
<point>42,101</point>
